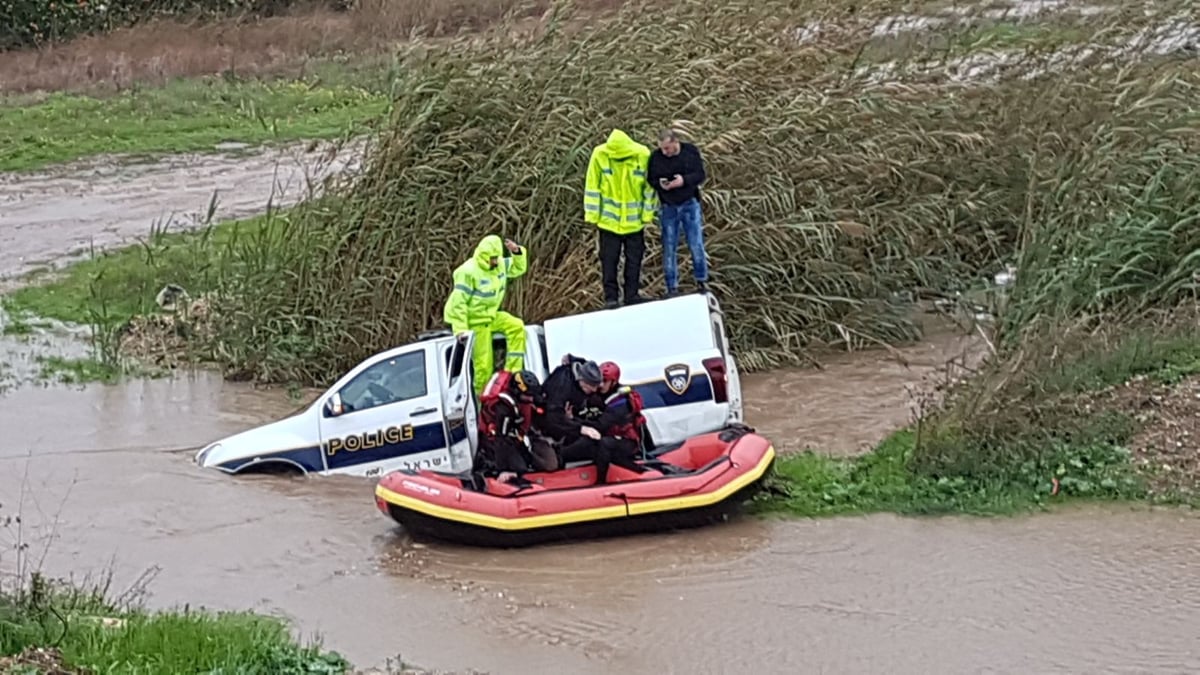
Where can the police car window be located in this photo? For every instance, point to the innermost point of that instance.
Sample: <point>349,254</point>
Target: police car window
<point>718,336</point>
<point>400,378</point>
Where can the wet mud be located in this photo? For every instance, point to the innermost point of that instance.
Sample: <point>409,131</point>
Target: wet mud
<point>107,202</point>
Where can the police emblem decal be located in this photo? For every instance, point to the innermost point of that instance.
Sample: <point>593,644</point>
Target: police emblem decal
<point>679,377</point>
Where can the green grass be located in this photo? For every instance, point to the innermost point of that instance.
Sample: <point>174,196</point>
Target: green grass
<point>94,633</point>
<point>106,291</point>
<point>192,115</point>
<point>77,370</point>
<point>90,633</point>
<point>121,283</point>
<point>18,324</point>
<point>809,484</point>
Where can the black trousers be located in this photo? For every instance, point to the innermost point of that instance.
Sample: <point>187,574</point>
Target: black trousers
<point>607,450</point>
<point>509,454</point>
<point>634,246</point>
<point>505,454</point>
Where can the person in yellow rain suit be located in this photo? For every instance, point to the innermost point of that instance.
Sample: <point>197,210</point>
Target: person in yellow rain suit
<point>474,304</point>
<point>619,201</point>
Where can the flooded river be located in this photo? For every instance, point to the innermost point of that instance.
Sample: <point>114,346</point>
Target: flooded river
<point>105,471</point>
<point>103,479</point>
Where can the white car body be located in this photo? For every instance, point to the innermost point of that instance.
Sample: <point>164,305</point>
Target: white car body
<point>675,352</point>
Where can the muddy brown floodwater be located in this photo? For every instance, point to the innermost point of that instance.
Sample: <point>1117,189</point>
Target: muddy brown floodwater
<point>106,202</point>
<point>107,471</point>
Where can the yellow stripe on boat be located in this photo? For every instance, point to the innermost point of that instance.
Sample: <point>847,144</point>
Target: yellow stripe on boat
<point>583,515</point>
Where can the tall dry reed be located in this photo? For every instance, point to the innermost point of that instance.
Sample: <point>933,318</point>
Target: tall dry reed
<point>828,192</point>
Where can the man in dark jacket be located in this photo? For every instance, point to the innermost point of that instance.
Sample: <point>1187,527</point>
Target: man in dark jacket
<point>567,390</point>
<point>607,410</point>
<point>676,172</point>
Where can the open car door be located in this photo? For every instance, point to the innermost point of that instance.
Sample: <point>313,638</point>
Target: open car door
<point>458,402</point>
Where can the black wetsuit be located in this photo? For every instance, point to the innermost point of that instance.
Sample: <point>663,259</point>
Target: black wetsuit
<point>608,449</point>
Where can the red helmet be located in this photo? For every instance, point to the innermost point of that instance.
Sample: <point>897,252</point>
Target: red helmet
<point>610,371</point>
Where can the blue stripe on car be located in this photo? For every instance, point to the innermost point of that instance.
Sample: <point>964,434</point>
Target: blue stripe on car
<point>658,395</point>
<point>431,436</point>
<point>426,437</point>
<point>307,458</point>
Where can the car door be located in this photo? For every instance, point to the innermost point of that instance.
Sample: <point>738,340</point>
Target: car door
<point>459,403</point>
<point>387,416</point>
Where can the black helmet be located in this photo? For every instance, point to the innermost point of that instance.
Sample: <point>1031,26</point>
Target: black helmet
<point>588,372</point>
<point>526,383</point>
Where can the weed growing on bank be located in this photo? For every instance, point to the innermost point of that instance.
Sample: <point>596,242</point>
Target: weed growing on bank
<point>1097,422</point>
<point>49,625</point>
<point>870,189</point>
<point>194,115</point>
<point>122,283</point>
<point>88,633</point>
<point>115,293</point>
<point>809,484</point>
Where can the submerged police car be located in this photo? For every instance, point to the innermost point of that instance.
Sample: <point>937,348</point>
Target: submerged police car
<point>413,406</point>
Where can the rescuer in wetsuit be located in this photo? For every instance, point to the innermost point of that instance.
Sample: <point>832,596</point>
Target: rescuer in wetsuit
<point>614,415</point>
<point>567,391</point>
<point>509,403</point>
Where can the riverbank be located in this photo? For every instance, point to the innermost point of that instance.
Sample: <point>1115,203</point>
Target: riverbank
<point>71,631</point>
<point>266,320</point>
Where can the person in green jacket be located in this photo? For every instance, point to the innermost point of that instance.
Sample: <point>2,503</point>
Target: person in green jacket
<point>474,304</point>
<point>620,202</point>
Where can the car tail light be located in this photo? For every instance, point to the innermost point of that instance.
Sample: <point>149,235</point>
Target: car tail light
<point>716,374</point>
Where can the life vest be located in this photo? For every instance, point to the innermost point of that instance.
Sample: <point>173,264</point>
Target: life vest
<point>629,403</point>
<point>498,391</point>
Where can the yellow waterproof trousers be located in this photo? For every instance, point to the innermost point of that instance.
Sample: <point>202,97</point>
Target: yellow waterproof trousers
<point>482,356</point>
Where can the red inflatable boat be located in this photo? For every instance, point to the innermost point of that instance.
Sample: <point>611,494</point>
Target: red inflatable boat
<point>701,480</point>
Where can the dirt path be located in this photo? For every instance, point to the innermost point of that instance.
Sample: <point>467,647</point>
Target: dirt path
<point>108,201</point>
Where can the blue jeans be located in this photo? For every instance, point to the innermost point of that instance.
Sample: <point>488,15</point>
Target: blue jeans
<point>686,217</point>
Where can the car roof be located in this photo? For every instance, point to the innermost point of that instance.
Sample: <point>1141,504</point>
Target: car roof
<point>647,331</point>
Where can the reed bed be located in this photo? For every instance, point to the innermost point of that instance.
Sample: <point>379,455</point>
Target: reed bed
<point>829,190</point>
<point>1107,290</point>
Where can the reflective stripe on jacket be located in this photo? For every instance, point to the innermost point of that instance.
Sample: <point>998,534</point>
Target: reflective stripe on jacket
<point>478,288</point>
<point>617,196</point>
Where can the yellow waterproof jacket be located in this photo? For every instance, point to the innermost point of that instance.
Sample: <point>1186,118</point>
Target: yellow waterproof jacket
<point>617,196</point>
<point>479,288</point>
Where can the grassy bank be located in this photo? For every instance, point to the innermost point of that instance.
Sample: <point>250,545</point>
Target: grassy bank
<point>872,189</point>
<point>111,287</point>
<point>193,115</point>
<point>45,624</point>
<point>115,294</point>
<point>1095,437</point>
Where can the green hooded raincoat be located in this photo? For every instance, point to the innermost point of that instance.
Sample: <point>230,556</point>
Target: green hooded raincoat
<point>617,196</point>
<point>474,304</point>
